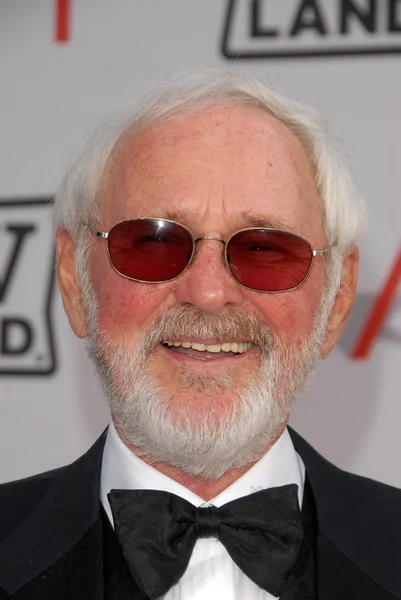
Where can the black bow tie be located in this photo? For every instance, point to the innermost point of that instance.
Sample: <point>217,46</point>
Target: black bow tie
<point>157,531</point>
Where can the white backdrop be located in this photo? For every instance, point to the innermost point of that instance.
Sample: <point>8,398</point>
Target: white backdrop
<point>63,72</point>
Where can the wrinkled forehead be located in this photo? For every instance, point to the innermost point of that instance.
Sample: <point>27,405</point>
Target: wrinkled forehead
<point>225,158</point>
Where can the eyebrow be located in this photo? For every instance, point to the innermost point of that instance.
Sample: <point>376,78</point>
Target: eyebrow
<point>244,218</point>
<point>264,222</point>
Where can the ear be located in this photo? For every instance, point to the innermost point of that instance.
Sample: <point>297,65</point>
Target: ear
<point>343,302</point>
<point>68,283</point>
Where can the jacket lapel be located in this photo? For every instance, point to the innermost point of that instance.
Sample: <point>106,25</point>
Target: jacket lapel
<point>78,574</point>
<point>359,531</point>
<point>340,579</point>
<point>61,540</point>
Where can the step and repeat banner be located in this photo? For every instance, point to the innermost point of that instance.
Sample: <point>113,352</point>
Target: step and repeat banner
<point>65,65</point>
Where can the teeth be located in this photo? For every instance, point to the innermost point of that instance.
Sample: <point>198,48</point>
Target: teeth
<point>236,347</point>
<point>200,347</point>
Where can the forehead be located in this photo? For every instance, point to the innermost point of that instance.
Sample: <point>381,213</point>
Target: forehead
<point>233,163</point>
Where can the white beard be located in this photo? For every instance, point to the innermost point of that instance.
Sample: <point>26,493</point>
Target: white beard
<point>201,444</point>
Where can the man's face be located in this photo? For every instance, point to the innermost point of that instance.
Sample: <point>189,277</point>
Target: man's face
<point>215,172</point>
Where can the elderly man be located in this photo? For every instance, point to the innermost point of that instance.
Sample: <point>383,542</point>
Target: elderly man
<point>207,251</point>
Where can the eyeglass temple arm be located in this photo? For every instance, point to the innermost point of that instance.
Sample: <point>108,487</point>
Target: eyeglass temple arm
<point>102,234</point>
<point>323,252</point>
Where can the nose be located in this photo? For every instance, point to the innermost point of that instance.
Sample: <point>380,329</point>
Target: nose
<point>207,284</point>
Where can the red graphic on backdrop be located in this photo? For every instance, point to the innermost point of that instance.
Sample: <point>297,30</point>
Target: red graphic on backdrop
<point>378,314</point>
<point>63,17</point>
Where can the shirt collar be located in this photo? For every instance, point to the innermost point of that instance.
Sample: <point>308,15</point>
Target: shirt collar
<point>122,469</point>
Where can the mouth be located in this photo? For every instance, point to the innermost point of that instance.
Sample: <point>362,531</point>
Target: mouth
<point>207,349</point>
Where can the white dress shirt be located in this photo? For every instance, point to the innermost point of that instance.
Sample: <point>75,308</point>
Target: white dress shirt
<point>211,573</point>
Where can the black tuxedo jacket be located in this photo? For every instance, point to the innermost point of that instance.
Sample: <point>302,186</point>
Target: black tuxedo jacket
<point>51,544</point>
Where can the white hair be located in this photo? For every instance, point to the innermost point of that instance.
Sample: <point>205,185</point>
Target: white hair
<point>77,200</point>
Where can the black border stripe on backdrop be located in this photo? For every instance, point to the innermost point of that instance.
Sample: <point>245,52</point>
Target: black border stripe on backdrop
<point>34,201</point>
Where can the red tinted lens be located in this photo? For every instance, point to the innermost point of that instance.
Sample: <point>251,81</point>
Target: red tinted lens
<point>149,249</point>
<point>269,261</point>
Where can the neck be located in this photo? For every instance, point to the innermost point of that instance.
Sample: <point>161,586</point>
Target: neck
<point>205,488</point>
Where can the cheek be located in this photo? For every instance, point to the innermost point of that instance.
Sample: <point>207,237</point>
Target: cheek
<point>291,314</point>
<point>130,308</point>
<point>125,307</point>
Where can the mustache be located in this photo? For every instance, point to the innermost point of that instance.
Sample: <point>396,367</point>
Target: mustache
<point>188,321</point>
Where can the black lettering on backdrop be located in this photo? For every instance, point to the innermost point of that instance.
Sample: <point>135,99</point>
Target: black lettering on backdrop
<point>8,327</point>
<point>309,16</point>
<point>257,30</point>
<point>20,232</point>
<point>27,344</point>
<point>367,15</point>
<point>254,29</point>
<point>16,333</point>
<point>394,16</point>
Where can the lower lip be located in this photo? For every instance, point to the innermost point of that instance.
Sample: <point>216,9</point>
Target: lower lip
<point>210,360</point>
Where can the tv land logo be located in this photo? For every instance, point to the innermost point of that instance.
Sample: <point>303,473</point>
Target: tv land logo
<point>262,29</point>
<point>27,278</point>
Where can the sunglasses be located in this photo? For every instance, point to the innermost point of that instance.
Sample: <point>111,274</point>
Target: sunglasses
<point>152,250</point>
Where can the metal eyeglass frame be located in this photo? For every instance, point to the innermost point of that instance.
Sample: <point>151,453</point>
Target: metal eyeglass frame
<point>195,240</point>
